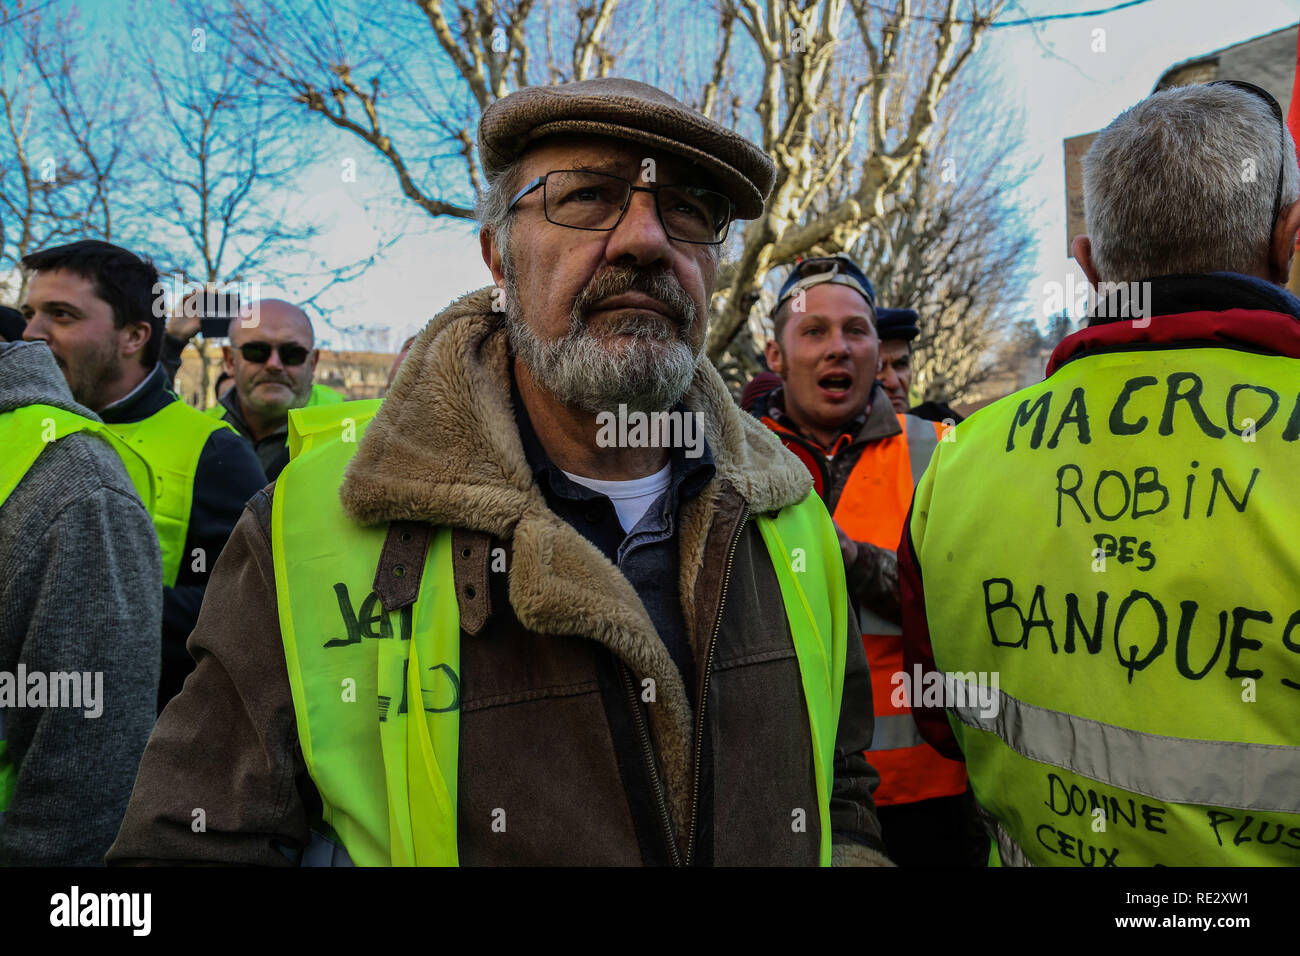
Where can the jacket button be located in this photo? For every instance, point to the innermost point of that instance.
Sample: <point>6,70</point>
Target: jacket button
<point>399,570</point>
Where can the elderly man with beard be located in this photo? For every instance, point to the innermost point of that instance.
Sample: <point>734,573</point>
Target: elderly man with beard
<point>464,630</point>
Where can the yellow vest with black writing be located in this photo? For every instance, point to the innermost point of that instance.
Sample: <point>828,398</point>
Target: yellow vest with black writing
<point>25,433</point>
<point>1118,546</point>
<point>388,783</point>
<point>171,440</point>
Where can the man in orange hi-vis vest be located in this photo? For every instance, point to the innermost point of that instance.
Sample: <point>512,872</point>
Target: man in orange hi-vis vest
<point>865,460</point>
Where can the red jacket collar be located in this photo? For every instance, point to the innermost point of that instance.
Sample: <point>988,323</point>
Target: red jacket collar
<point>1255,329</point>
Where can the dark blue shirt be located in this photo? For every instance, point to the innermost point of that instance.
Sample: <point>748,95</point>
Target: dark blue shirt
<point>648,554</point>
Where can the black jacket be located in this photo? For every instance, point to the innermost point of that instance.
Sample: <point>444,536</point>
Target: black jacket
<point>228,474</point>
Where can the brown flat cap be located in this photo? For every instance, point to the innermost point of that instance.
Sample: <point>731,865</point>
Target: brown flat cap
<point>626,109</point>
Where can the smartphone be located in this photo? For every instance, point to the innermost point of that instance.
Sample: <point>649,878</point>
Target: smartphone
<point>216,309</point>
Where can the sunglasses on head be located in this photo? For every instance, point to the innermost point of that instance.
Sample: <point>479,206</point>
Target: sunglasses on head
<point>838,268</point>
<point>1276,109</point>
<point>259,352</point>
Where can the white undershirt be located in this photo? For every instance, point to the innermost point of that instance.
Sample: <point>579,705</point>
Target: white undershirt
<point>631,499</point>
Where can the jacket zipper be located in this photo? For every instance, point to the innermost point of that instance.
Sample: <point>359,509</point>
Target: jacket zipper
<point>647,752</point>
<point>708,672</point>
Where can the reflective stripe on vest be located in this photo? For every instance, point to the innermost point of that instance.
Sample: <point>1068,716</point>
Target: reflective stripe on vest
<point>1136,598</point>
<point>872,508</point>
<point>171,440</point>
<point>25,433</point>
<point>388,784</point>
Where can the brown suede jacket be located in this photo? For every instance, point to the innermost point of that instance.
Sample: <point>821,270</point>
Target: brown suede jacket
<point>553,655</point>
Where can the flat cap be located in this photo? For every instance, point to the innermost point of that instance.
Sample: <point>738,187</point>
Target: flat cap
<point>626,109</point>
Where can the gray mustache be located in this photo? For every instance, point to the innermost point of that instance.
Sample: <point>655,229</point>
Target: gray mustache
<point>659,285</point>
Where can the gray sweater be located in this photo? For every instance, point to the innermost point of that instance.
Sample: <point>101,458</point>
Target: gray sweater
<point>80,591</point>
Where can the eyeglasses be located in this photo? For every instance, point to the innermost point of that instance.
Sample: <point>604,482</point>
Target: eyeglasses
<point>580,199</point>
<point>259,352</point>
<point>1276,108</point>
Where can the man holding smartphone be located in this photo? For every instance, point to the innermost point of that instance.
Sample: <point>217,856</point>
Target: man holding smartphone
<point>92,303</point>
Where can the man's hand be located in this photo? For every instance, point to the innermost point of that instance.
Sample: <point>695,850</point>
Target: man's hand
<point>872,576</point>
<point>848,547</point>
<point>181,325</point>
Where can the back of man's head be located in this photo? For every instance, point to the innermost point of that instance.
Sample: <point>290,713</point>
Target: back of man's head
<point>1184,182</point>
<point>127,282</point>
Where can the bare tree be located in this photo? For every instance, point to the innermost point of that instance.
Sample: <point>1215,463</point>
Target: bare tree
<point>64,139</point>
<point>956,247</point>
<point>224,162</point>
<point>843,94</point>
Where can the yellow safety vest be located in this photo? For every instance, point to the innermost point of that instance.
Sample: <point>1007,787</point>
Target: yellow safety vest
<point>388,784</point>
<point>171,440</point>
<point>1116,546</point>
<point>25,433</point>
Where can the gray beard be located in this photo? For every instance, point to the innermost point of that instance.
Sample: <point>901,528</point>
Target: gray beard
<point>648,371</point>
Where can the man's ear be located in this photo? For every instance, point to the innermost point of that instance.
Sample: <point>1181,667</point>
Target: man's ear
<point>228,360</point>
<point>1283,248</point>
<point>491,255</point>
<point>1082,249</point>
<point>313,359</point>
<point>133,337</point>
<point>775,360</point>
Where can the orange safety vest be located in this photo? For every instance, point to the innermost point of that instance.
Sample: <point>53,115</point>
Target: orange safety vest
<point>873,508</point>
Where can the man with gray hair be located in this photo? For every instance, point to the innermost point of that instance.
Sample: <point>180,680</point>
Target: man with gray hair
<point>476,625</point>
<point>1113,550</point>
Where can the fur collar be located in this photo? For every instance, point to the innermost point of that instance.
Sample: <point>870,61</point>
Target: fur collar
<point>444,449</point>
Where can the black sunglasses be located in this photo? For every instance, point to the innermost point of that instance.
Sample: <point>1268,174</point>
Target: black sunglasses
<point>259,352</point>
<point>1276,108</point>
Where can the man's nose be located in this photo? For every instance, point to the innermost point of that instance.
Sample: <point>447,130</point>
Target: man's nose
<point>273,360</point>
<point>836,343</point>
<point>36,330</point>
<point>887,377</point>
<point>639,234</point>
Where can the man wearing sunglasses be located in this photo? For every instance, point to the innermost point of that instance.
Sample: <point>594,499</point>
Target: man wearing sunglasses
<point>272,358</point>
<point>92,303</point>
<point>568,645</point>
<point>1118,543</point>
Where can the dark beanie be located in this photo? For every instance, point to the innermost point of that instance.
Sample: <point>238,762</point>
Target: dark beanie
<point>898,324</point>
<point>12,324</point>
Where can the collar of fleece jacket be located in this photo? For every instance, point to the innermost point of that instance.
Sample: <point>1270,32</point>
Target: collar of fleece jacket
<point>444,449</point>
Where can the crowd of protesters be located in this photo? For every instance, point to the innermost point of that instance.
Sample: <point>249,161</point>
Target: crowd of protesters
<point>464,625</point>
